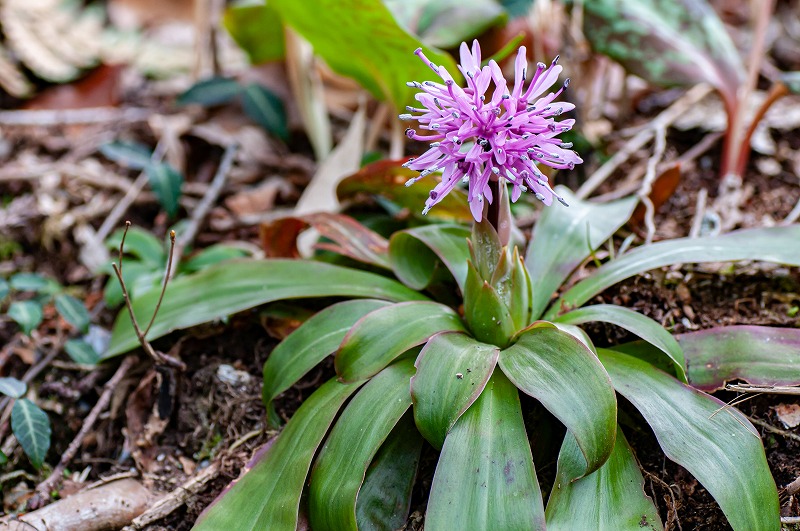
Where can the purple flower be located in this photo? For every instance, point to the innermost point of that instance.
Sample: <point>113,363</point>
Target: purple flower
<point>476,137</point>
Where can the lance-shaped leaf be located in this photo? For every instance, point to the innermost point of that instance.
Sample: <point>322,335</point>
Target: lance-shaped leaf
<point>344,33</point>
<point>268,495</point>
<point>314,340</point>
<point>355,439</point>
<point>759,355</point>
<point>385,496</point>
<point>714,442</point>
<point>485,477</point>
<point>558,370</point>
<point>238,285</point>
<point>415,253</point>
<point>612,497</point>
<point>634,322</point>
<point>31,427</point>
<point>488,317</point>
<point>12,387</point>
<point>382,335</point>
<point>452,371</point>
<point>564,237</point>
<point>771,244</point>
<point>682,42</point>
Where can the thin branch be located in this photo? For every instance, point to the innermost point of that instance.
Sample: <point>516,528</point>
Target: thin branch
<point>163,284</point>
<point>649,178</point>
<point>45,487</point>
<point>96,115</point>
<point>699,213</point>
<point>770,428</point>
<point>767,389</point>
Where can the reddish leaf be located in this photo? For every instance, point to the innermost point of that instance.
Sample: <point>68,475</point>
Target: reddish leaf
<point>663,188</point>
<point>100,88</point>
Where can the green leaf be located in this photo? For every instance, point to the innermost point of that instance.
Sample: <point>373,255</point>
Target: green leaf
<point>266,109</point>
<point>312,342</point>
<point>771,244</point>
<point>141,244</point>
<point>268,495</point>
<point>138,276</point>
<point>488,318</point>
<point>485,477</point>
<point>759,355</point>
<point>73,311</point>
<point>166,182</point>
<point>558,370</point>
<point>210,92</point>
<point>211,256</point>
<point>29,282</point>
<point>345,34</point>
<point>4,289</point>
<point>12,387</point>
<point>27,314</point>
<point>446,23</point>
<point>516,8</point>
<point>257,29</point>
<point>81,352</point>
<point>31,427</point>
<point>452,371</point>
<point>237,285</point>
<point>415,253</point>
<point>564,237</point>
<point>612,497</point>
<point>634,322</point>
<point>132,155</point>
<point>355,439</point>
<point>667,43</point>
<point>792,81</point>
<point>714,442</point>
<point>385,496</point>
<point>382,335</point>
<point>3,458</point>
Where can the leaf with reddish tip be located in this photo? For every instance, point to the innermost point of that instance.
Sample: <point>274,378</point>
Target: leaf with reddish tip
<point>612,497</point>
<point>268,495</point>
<point>714,442</point>
<point>387,179</point>
<point>634,322</point>
<point>566,377</point>
<point>564,237</point>
<point>384,334</point>
<point>452,371</point>
<point>485,478</point>
<point>416,253</point>
<point>759,355</point>
<point>771,244</point>
<point>355,439</point>
<point>350,238</point>
<point>681,42</point>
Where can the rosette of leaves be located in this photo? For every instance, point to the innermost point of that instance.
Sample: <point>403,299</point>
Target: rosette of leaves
<point>412,366</point>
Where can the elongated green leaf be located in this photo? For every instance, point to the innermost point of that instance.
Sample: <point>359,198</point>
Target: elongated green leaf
<point>141,244</point>
<point>610,498</point>
<point>27,314</point>
<point>682,42</point>
<point>488,318</point>
<point>81,352</point>
<point>29,282</point>
<point>31,427</point>
<point>257,29</point>
<point>213,255</point>
<point>237,285</point>
<point>353,442</point>
<point>415,253</point>
<point>634,322</point>
<point>382,335</point>
<point>73,311</point>
<point>211,91</point>
<point>719,448</point>
<point>268,495</point>
<point>567,378</point>
<point>772,244</point>
<point>385,496</point>
<point>12,387</point>
<point>314,340</point>
<point>5,287</point>
<point>3,458</point>
<point>266,109</point>
<point>132,155</point>
<point>447,23</point>
<point>452,371</point>
<point>166,182</point>
<point>564,237</point>
<point>345,33</point>
<point>757,354</point>
<point>485,477</point>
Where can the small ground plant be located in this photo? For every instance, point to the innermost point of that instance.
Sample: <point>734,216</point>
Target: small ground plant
<point>413,364</point>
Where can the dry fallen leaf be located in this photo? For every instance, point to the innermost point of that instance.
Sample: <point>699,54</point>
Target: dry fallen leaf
<point>788,414</point>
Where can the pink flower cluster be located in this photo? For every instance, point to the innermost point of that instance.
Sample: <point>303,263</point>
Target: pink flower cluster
<point>476,137</point>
